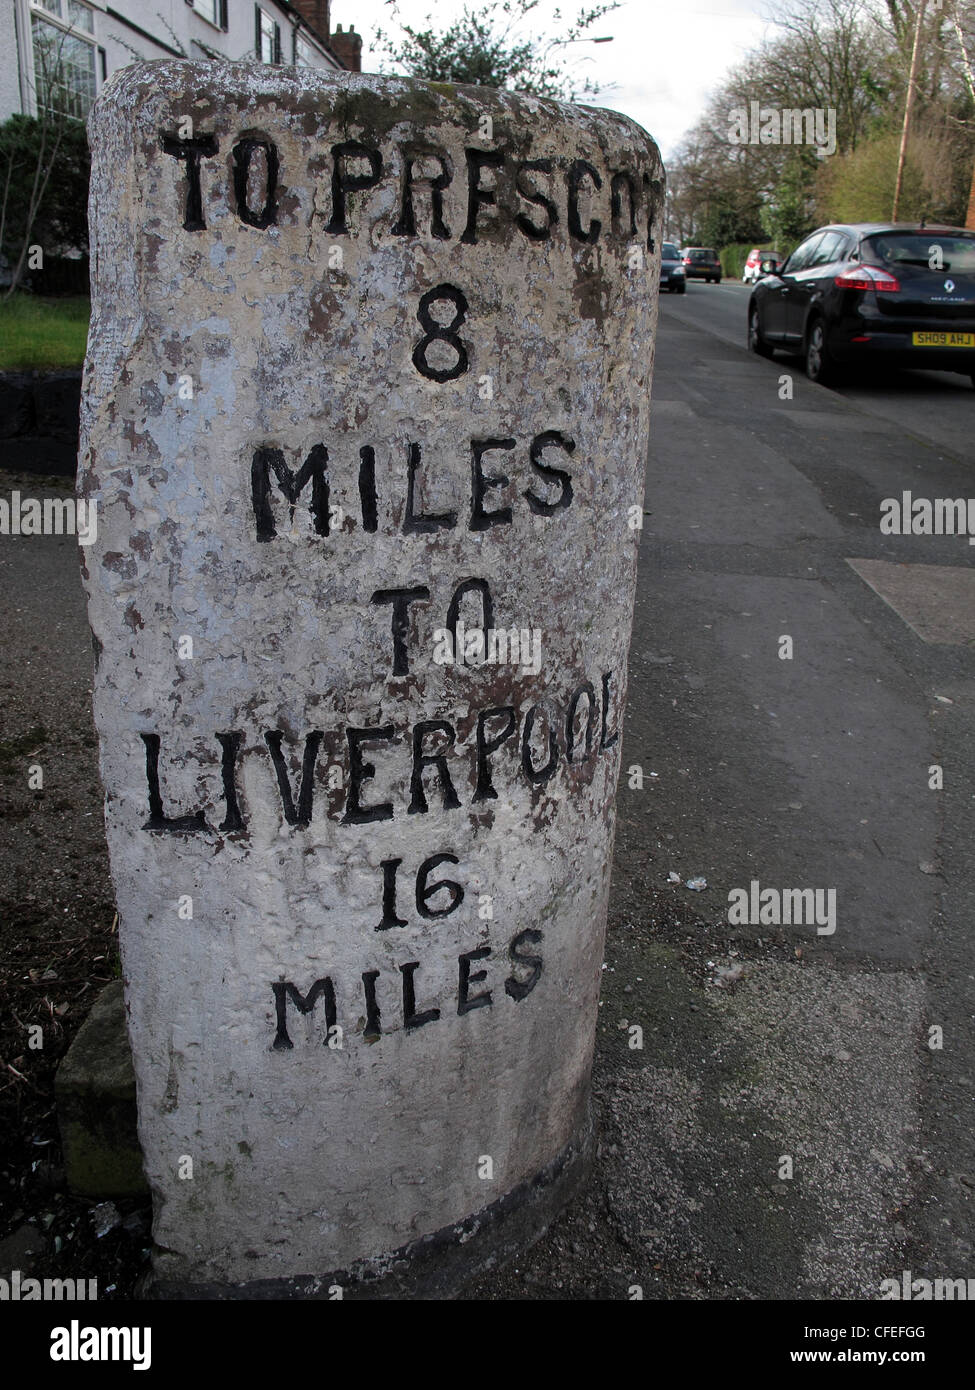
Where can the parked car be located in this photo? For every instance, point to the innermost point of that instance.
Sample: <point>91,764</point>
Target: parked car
<point>672,278</point>
<point>753,264</point>
<point>701,263</point>
<point>903,295</point>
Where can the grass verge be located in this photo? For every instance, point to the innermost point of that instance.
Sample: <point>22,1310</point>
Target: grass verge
<point>41,334</point>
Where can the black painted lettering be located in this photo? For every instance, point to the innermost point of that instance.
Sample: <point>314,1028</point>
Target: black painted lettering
<point>373,1029</point>
<point>390,918</point>
<point>191,152</point>
<point>579,169</point>
<point>367,488</point>
<point>176,825</point>
<point>230,743</point>
<point>344,183</point>
<point>418,800</point>
<point>622,183</point>
<point>484,790</point>
<point>359,772</point>
<point>543,774</point>
<point>437,332</point>
<point>604,740</point>
<point>550,439</point>
<point>586,690</point>
<point>300,814</point>
<point>425,890</point>
<point>265,462</point>
<point>466,1002</point>
<point>481,520</point>
<point>406,226</point>
<point>413,524</point>
<point>519,988</point>
<point>655,191</point>
<point>470,586</point>
<point>304,1004</point>
<point>244,152</point>
<point>532,195</point>
<point>400,622</point>
<point>477,196</point>
<point>411,1019</point>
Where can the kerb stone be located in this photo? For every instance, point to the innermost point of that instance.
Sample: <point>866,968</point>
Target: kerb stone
<point>365,419</point>
<point>95,1092</point>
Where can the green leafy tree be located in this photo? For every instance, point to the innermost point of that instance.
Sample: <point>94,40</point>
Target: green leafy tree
<point>859,186</point>
<point>791,210</point>
<point>725,222</point>
<point>488,46</point>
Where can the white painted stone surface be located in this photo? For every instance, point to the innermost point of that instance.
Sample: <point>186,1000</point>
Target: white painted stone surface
<point>304,333</point>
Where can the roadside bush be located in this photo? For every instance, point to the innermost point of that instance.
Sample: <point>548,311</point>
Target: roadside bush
<point>61,220</point>
<point>733,258</point>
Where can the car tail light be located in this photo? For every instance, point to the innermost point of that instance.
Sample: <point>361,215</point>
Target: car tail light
<point>867,277</point>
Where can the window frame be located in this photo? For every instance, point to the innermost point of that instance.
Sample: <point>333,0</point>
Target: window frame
<point>219,21</point>
<point>300,38</point>
<point>261,14</point>
<point>56,20</point>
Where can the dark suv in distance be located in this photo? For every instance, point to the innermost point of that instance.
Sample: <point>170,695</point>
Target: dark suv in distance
<point>671,270</point>
<point>702,263</point>
<point>871,292</point>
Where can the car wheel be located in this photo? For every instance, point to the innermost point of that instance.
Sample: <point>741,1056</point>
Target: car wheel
<point>682,288</point>
<point>718,280</point>
<point>820,366</point>
<point>756,343</point>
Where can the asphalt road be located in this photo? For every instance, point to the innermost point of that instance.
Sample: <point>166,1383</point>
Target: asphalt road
<point>936,407</point>
<point>770,1043</point>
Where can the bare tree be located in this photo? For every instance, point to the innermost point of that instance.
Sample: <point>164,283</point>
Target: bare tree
<point>52,97</point>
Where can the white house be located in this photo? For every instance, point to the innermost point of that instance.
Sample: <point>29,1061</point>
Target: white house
<point>91,39</point>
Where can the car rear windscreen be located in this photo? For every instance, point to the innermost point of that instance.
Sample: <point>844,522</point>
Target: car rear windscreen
<point>925,249</point>
<point>669,252</point>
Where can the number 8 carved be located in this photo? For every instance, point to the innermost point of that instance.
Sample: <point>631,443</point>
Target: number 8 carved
<point>441,332</point>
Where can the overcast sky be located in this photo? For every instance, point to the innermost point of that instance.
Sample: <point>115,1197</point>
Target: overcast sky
<point>666,57</point>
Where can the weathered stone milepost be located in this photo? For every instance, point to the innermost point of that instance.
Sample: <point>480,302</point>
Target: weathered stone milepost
<point>365,414</point>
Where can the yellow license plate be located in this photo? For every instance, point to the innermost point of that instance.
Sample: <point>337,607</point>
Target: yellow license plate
<point>944,340</point>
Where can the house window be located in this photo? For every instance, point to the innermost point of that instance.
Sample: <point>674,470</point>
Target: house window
<point>268,37</point>
<point>213,11</point>
<point>65,56</point>
<point>304,53</point>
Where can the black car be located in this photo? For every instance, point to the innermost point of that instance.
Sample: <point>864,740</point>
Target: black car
<point>672,276</point>
<point>871,292</point>
<point>702,263</point>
